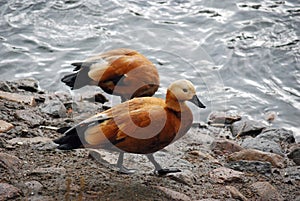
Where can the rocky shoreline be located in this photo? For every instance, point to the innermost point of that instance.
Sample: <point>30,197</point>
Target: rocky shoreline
<point>228,158</point>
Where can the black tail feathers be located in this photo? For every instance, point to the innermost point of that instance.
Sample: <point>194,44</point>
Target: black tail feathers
<point>70,140</point>
<point>70,79</point>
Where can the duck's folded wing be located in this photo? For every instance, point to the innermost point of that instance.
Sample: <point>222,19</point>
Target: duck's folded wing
<point>143,123</point>
<point>75,136</point>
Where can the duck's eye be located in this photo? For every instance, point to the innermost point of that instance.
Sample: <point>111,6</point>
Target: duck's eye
<point>184,90</point>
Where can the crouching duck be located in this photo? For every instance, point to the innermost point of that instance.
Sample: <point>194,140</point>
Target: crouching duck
<point>141,125</point>
<point>122,72</point>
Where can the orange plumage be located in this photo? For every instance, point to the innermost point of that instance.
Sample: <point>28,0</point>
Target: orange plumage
<point>141,125</point>
<point>122,72</point>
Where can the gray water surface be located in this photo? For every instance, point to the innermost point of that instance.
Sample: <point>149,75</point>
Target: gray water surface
<point>242,56</point>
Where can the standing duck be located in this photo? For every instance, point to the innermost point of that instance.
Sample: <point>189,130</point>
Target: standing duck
<point>122,72</point>
<point>141,125</point>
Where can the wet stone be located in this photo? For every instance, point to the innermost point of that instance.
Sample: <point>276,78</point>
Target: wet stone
<point>27,84</point>
<point>222,118</point>
<point>250,166</point>
<point>4,86</point>
<point>266,191</point>
<point>277,135</point>
<point>8,191</point>
<point>295,155</point>
<point>255,155</point>
<point>223,174</point>
<point>5,126</point>
<point>247,127</point>
<point>30,117</point>
<point>262,145</point>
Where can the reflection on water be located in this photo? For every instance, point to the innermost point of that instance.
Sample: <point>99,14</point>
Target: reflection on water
<point>242,56</point>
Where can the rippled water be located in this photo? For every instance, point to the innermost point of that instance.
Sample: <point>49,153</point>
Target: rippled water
<point>242,55</point>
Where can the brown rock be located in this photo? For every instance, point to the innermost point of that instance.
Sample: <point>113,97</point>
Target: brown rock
<point>19,98</point>
<point>223,174</point>
<point>10,162</point>
<point>255,155</point>
<point>201,155</point>
<point>174,195</point>
<point>8,191</point>
<point>235,193</point>
<point>5,126</point>
<point>266,191</point>
<point>225,146</point>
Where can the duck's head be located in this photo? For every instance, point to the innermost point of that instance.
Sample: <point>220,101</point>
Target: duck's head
<point>184,90</point>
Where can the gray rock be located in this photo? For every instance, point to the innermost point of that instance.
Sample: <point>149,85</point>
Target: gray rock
<point>4,86</point>
<point>224,174</point>
<point>27,84</point>
<point>54,108</point>
<point>291,172</point>
<point>295,155</point>
<point>64,97</point>
<point>8,191</point>
<point>250,166</point>
<point>33,187</point>
<point>185,177</point>
<point>30,117</point>
<point>266,191</point>
<point>277,135</point>
<point>262,145</point>
<point>222,118</point>
<point>247,127</point>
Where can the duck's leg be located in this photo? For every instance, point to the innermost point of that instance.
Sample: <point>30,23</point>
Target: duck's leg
<point>158,169</point>
<point>123,169</point>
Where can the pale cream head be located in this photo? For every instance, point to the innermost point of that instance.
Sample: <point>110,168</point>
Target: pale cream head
<point>183,90</point>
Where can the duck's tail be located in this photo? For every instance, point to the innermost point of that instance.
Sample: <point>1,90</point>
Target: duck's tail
<point>70,140</point>
<point>70,80</point>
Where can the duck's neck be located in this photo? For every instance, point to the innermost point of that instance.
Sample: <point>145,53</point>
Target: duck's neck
<point>173,104</point>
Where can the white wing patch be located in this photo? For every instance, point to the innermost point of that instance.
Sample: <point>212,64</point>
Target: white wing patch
<point>97,70</point>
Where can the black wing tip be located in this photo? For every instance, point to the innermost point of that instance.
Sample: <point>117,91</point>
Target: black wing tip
<point>62,130</point>
<point>77,65</point>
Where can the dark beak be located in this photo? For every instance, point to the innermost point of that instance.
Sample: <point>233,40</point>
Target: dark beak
<point>197,102</point>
